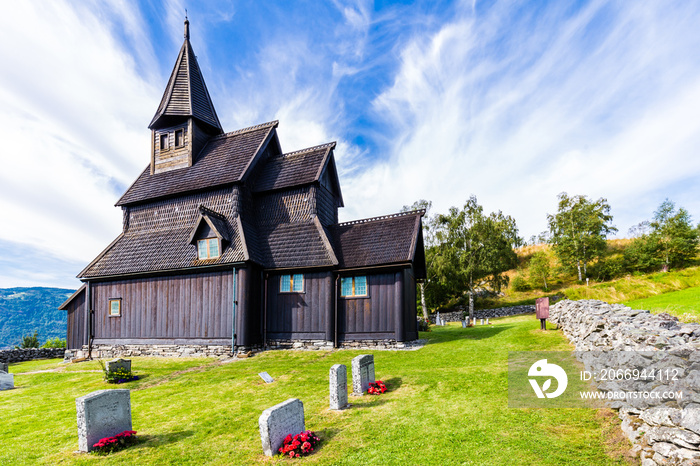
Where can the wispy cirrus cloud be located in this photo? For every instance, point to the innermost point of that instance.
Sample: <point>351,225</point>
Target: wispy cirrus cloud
<point>513,101</point>
<point>517,105</point>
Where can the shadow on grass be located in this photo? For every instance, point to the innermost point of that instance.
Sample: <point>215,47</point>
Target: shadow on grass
<point>360,403</point>
<point>326,435</point>
<point>445,334</point>
<point>155,441</point>
<point>393,384</point>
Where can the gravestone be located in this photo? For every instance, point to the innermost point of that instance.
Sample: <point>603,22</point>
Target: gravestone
<point>266,377</point>
<point>487,321</point>
<point>362,373</point>
<point>7,381</point>
<point>482,321</point>
<point>338,386</point>
<point>104,413</point>
<point>279,421</point>
<point>116,364</point>
<point>4,367</point>
<point>464,324</point>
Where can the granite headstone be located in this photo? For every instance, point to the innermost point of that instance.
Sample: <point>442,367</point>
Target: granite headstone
<point>362,373</point>
<point>279,421</point>
<point>104,413</point>
<point>7,381</point>
<point>116,364</point>
<point>338,381</point>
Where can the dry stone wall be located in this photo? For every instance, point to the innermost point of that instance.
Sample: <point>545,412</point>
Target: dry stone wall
<point>27,354</point>
<point>663,431</point>
<point>456,316</point>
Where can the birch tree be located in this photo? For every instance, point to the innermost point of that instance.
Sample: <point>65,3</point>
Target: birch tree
<point>579,230</point>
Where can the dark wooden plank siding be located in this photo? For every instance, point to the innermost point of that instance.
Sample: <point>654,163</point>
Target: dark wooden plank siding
<point>166,308</point>
<point>410,304</point>
<point>327,206</point>
<point>75,336</point>
<point>291,315</point>
<point>371,317</point>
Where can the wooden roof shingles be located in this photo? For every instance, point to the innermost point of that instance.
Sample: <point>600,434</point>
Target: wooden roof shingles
<point>159,237</point>
<point>294,245</point>
<point>293,169</point>
<point>154,251</point>
<point>377,241</point>
<point>224,160</point>
<point>186,93</point>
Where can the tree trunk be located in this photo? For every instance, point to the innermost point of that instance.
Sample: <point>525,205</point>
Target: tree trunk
<point>545,282</point>
<point>426,316</point>
<point>578,266</point>
<point>471,305</point>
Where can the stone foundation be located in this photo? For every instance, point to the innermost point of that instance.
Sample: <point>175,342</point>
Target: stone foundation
<point>212,351</point>
<point>164,351</point>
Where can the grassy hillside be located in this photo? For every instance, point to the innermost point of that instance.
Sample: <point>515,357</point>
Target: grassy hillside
<point>684,304</point>
<point>23,310</point>
<point>447,404</point>
<point>624,289</point>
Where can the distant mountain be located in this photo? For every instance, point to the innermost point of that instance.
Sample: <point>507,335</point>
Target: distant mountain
<point>23,310</point>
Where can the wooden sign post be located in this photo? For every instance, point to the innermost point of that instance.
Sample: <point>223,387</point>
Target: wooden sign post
<point>542,311</point>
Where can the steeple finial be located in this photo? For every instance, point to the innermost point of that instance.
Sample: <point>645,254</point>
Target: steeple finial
<point>187,27</point>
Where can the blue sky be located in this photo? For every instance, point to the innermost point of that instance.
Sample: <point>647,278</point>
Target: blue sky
<point>512,101</point>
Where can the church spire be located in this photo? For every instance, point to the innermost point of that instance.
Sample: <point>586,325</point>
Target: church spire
<point>186,94</point>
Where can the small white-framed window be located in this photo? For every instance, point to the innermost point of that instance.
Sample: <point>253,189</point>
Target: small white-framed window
<point>208,248</point>
<point>353,286</point>
<point>292,283</point>
<point>115,307</point>
<point>164,140</point>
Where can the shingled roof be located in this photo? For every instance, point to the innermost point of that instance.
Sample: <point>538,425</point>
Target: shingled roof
<point>392,239</point>
<point>294,169</point>
<point>294,245</point>
<point>159,236</point>
<point>186,94</point>
<point>223,160</point>
<point>156,251</point>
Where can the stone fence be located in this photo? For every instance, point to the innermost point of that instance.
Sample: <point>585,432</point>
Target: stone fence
<point>456,316</point>
<point>664,430</point>
<point>27,354</point>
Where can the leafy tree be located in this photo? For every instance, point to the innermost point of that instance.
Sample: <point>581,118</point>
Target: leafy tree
<point>422,204</point>
<point>30,341</point>
<point>539,268</point>
<point>579,229</point>
<point>670,240</point>
<point>675,235</point>
<point>473,250</point>
<point>54,343</point>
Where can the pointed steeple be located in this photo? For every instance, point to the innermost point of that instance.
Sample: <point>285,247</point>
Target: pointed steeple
<point>186,94</point>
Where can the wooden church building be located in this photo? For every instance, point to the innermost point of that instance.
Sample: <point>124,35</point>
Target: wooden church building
<point>229,242</point>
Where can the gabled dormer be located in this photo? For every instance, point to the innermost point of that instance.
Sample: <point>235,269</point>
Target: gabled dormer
<point>209,234</point>
<point>186,118</point>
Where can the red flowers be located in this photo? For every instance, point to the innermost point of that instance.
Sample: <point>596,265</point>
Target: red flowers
<point>376,388</point>
<point>119,441</point>
<point>301,444</point>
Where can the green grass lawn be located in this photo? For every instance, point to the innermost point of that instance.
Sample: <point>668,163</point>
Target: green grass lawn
<point>676,303</point>
<point>447,404</point>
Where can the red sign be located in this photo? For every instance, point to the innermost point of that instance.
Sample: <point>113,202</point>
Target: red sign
<point>542,305</point>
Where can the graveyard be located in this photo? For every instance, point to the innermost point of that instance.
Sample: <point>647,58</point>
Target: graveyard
<point>446,404</point>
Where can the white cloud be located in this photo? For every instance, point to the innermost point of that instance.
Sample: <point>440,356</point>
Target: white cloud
<point>73,126</point>
<point>598,103</point>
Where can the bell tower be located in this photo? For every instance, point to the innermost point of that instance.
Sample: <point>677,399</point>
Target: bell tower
<point>186,118</point>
